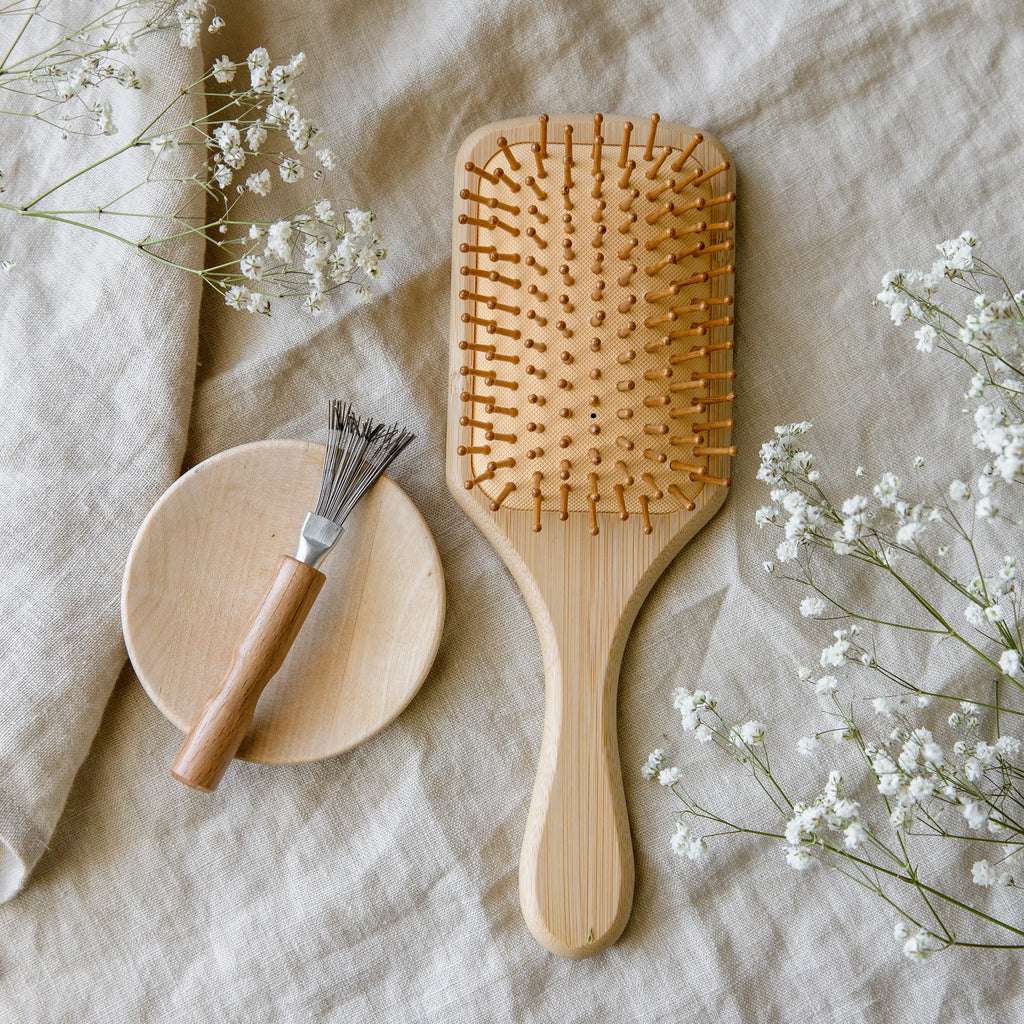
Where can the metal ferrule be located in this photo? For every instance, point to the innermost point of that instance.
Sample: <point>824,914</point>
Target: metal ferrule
<point>316,539</point>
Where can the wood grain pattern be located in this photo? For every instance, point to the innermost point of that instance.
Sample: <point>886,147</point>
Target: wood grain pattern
<point>588,437</point>
<point>215,736</point>
<point>201,562</point>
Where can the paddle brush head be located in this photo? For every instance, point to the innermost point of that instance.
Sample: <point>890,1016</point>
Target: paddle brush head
<point>593,319</point>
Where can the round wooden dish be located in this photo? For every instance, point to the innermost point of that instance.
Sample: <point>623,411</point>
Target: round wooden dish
<point>204,556</point>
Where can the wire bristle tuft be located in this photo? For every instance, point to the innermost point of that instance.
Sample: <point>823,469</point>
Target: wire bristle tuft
<point>358,452</point>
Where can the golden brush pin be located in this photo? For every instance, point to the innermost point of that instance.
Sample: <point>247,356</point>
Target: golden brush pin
<point>590,400</point>
<point>358,452</point>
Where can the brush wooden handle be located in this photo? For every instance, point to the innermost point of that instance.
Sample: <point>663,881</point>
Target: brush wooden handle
<point>576,868</point>
<point>225,719</point>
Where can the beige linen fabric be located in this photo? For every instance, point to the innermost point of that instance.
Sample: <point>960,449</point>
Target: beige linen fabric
<point>382,885</point>
<point>97,359</point>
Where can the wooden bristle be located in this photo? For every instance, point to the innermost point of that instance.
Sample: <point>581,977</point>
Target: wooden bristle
<point>677,164</point>
<point>649,151</point>
<point>627,128</point>
<point>596,312</point>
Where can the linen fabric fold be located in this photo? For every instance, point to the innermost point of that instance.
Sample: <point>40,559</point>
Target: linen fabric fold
<point>97,362</point>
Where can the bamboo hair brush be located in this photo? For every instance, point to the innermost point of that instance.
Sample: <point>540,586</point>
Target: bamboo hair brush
<point>590,398</point>
<point>358,452</point>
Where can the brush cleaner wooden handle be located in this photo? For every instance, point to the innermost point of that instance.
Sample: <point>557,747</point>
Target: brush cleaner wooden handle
<point>576,868</point>
<point>225,719</point>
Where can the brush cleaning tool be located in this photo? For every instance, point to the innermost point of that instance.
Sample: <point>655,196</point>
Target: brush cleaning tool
<point>590,396</point>
<point>358,452</point>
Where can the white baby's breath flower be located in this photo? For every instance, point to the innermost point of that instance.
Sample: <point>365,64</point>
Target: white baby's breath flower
<point>251,266</point>
<point>811,607</point>
<point>190,22</point>
<point>257,303</point>
<point>826,684</point>
<point>259,68</point>
<point>926,336</point>
<point>808,746</point>
<point>324,211</point>
<point>752,732</point>
<point>1009,662</point>
<point>237,296</point>
<point>255,136</point>
<point>909,533</point>
<point>704,733</point>
<point>886,491</point>
<point>920,946</point>
<point>984,873</point>
<point>259,182</point>
<point>653,764</point>
<point>223,175</point>
<point>986,508</point>
<point>1008,747</point>
<point>901,817</point>
<point>224,69</point>
<point>787,550</point>
<point>279,236</point>
<point>163,144</point>
<point>898,311</point>
<point>798,858</point>
<point>920,788</point>
<point>882,707</point>
<point>854,835</point>
<point>852,506</point>
<point>327,158</point>
<point>957,253</point>
<point>835,655</point>
<point>291,170</point>
<point>975,615</point>
<point>975,812</point>
<point>104,115</point>
<point>669,776</point>
<point>686,844</point>
<point>360,220</point>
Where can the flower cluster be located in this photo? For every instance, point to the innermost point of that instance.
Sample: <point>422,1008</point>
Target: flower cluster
<point>912,762</point>
<point>884,531</point>
<point>932,789</point>
<point>698,715</point>
<point>829,812</point>
<point>847,526</point>
<point>269,107</point>
<point>69,86</point>
<point>256,134</point>
<point>918,943</point>
<point>987,338</point>
<point>334,246</point>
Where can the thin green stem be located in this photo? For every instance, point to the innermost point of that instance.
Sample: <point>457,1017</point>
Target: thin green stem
<point>904,877</point>
<point>17,38</point>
